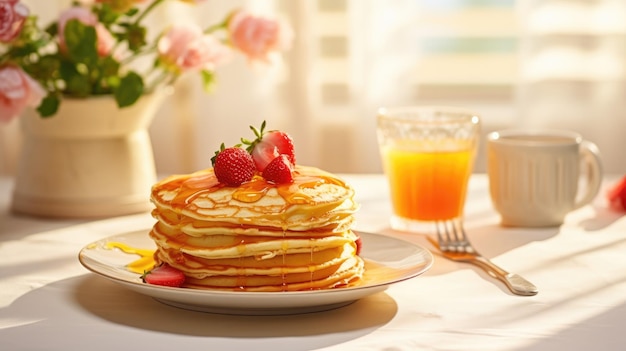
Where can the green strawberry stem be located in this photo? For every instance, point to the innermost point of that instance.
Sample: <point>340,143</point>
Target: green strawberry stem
<point>258,133</point>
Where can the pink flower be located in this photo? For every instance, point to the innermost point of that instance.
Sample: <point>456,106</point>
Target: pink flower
<point>12,16</point>
<point>186,48</point>
<point>105,39</point>
<point>17,90</point>
<point>256,36</point>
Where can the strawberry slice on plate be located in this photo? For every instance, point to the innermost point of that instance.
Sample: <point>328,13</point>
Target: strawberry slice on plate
<point>164,275</point>
<point>617,195</point>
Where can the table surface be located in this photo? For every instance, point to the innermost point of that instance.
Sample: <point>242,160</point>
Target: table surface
<point>49,301</point>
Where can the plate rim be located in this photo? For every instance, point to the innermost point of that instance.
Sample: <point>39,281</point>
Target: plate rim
<point>176,294</point>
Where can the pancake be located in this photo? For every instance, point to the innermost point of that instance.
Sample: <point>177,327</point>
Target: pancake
<point>259,236</point>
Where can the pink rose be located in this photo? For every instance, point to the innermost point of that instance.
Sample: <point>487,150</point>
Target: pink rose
<point>12,16</point>
<point>105,39</point>
<point>17,90</point>
<point>186,48</point>
<point>256,36</point>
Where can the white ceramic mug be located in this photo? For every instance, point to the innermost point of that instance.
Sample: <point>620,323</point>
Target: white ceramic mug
<point>535,177</point>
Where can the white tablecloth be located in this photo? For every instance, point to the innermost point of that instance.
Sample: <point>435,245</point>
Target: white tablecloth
<point>48,301</point>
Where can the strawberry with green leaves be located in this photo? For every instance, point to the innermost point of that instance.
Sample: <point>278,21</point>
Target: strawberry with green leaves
<point>271,154</point>
<point>269,145</point>
<point>233,166</point>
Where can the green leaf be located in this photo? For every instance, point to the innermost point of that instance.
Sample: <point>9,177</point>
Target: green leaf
<point>106,15</point>
<point>79,86</point>
<point>49,105</point>
<point>22,50</point>
<point>129,90</point>
<point>76,83</point>
<point>67,70</point>
<point>136,36</point>
<point>45,69</point>
<point>109,66</point>
<point>209,82</point>
<point>52,29</point>
<point>81,41</point>
<point>133,11</point>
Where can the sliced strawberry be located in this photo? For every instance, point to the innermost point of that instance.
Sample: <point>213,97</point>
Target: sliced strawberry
<point>233,166</point>
<point>268,145</point>
<point>617,195</point>
<point>272,144</point>
<point>263,154</point>
<point>279,171</point>
<point>165,275</point>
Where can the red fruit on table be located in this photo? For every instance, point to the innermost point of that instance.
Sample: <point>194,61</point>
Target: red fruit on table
<point>617,195</point>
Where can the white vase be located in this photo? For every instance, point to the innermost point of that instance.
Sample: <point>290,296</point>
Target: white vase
<point>89,160</point>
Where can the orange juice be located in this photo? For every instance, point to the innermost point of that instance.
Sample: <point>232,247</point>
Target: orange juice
<point>427,185</point>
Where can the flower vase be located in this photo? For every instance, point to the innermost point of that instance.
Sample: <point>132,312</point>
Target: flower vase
<point>91,159</point>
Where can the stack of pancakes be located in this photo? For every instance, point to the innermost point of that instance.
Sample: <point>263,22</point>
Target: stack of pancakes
<point>259,236</point>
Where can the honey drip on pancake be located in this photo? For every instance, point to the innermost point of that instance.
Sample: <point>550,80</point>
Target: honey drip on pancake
<point>252,191</point>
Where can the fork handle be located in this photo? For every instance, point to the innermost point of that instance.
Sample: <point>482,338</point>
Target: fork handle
<point>516,283</point>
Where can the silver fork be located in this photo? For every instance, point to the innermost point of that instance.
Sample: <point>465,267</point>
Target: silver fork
<point>455,245</point>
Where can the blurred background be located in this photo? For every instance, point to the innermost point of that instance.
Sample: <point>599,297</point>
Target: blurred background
<point>519,64</point>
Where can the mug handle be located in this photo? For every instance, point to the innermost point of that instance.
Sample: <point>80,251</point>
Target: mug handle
<point>590,155</point>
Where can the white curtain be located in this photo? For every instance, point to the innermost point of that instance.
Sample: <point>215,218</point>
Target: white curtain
<point>401,52</point>
<point>520,64</point>
<point>574,72</point>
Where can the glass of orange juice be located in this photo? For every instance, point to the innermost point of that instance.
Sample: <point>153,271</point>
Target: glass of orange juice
<point>428,155</point>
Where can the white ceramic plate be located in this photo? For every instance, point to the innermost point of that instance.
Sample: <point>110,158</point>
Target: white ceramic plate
<point>387,261</point>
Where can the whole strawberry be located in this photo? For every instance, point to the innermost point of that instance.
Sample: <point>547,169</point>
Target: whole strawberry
<point>279,171</point>
<point>616,195</point>
<point>233,166</point>
<point>269,145</point>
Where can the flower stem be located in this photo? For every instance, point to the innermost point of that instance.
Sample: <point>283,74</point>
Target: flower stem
<point>134,55</point>
<point>148,9</point>
<point>160,79</point>
<point>215,27</point>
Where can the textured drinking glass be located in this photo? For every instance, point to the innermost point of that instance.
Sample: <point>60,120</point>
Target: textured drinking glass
<point>428,155</point>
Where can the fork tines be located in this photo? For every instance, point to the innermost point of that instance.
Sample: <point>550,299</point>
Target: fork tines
<point>451,236</point>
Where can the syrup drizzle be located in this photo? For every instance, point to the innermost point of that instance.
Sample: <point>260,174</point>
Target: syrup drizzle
<point>191,188</point>
<point>144,263</point>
